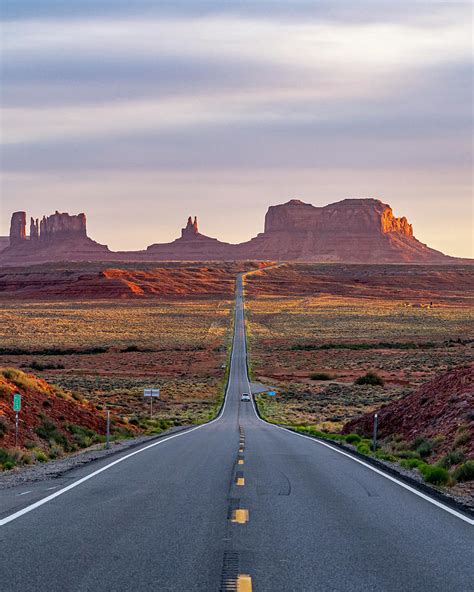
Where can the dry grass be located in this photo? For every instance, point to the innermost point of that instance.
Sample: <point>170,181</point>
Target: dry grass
<point>184,342</point>
<point>288,337</point>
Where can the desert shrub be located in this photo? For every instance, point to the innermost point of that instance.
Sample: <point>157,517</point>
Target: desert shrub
<point>452,458</point>
<point>27,458</point>
<point>39,366</point>
<point>7,461</point>
<point>29,444</point>
<point>408,454</point>
<point>434,475</point>
<point>83,436</point>
<point>56,451</point>
<point>411,463</point>
<point>370,378</point>
<point>465,472</point>
<point>353,438</point>
<point>322,376</point>
<point>3,426</point>
<point>462,437</point>
<point>46,403</point>
<point>363,448</point>
<point>40,455</point>
<point>49,431</point>
<point>423,446</point>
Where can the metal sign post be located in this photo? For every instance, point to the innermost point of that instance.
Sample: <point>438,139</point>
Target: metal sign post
<point>374,439</point>
<point>107,441</point>
<point>151,392</point>
<point>16,409</point>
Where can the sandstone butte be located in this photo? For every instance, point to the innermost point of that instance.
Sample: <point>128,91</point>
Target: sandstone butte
<point>349,231</point>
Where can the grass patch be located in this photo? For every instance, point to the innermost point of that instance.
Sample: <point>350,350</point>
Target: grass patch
<point>433,474</point>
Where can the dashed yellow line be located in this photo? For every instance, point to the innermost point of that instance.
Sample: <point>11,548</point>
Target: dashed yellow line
<point>241,449</point>
<point>240,516</point>
<point>240,481</point>
<point>240,461</point>
<point>244,583</point>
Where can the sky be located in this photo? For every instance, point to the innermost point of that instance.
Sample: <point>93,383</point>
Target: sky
<point>143,112</point>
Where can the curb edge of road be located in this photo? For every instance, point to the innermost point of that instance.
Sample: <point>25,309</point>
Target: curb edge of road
<point>423,487</point>
<point>58,474</point>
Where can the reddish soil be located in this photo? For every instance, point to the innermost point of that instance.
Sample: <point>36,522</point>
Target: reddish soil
<point>91,281</point>
<point>415,283</point>
<point>442,407</point>
<point>41,402</point>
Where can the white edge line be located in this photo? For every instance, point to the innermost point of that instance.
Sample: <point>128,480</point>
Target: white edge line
<point>361,462</point>
<point>56,494</point>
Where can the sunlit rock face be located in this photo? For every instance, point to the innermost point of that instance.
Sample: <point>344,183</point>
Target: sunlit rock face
<point>18,228</point>
<point>352,230</point>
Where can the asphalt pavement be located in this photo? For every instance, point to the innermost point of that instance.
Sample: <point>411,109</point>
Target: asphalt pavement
<point>236,504</point>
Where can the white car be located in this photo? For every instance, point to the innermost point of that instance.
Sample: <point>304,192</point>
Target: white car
<point>245,397</point>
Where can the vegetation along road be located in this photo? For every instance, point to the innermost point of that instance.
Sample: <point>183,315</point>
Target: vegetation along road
<point>235,504</point>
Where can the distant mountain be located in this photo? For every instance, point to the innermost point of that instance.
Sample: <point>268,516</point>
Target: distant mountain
<point>351,231</point>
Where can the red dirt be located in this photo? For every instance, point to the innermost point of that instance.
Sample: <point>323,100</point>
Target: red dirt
<point>96,281</point>
<point>438,408</point>
<point>41,402</point>
<point>415,283</point>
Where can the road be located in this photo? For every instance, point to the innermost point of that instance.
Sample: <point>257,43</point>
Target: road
<point>236,504</point>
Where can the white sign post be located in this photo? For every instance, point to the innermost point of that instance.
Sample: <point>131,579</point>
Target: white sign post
<point>151,392</point>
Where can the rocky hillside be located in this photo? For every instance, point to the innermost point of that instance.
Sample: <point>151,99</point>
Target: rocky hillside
<point>441,411</point>
<point>52,421</point>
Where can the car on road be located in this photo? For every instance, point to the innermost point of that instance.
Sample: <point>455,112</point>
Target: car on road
<point>245,397</point>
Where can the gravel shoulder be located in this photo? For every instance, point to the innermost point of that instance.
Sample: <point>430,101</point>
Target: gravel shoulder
<point>56,468</point>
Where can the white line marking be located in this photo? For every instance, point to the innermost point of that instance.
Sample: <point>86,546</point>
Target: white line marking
<point>25,492</point>
<point>56,494</point>
<point>49,488</point>
<point>361,462</point>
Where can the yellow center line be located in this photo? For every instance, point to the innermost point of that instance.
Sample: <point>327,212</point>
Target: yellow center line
<point>244,583</point>
<point>240,516</point>
<point>241,449</point>
<point>240,481</point>
<point>241,461</point>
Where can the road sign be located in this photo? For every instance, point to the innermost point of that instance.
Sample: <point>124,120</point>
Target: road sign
<point>271,393</point>
<point>16,402</point>
<point>151,392</point>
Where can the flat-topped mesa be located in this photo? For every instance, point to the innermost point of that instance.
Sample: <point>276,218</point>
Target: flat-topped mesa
<point>352,216</point>
<point>62,226</point>
<point>191,229</point>
<point>18,228</point>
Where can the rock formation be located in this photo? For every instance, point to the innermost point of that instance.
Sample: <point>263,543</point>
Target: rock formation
<point>349,231</point>
<point>62,226</point>
<point>191,229</point>
<point>56,237</point>
<point>18,228</point>
<point>34,229</point>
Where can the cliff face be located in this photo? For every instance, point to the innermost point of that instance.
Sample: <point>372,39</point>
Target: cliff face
<point>349,231</point>
<point>59,236</point>
<point>352,230</point>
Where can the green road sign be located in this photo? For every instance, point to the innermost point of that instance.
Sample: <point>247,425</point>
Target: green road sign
<point>16,402</point>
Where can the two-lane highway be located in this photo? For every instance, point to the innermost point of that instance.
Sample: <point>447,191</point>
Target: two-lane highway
<point>236,504</point>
